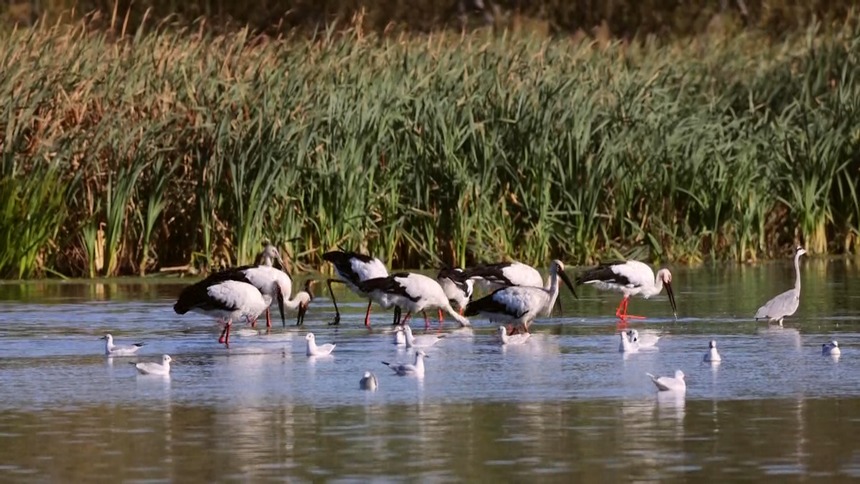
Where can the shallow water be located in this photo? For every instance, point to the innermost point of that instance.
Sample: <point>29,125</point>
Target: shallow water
<point>564,405</point>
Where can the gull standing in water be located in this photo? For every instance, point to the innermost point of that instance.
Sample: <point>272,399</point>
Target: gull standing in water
<point>368,381</point>
<point>148,368</point>
<point>416,369</point>
<point>831,348</point>
<point>712,356</point>
<point>629,342</point>
<point>786,303</point>
<point>422,341</point>
<point>114,350</point>
<point>514,339</point>
<point>630,278</point>
<point>399,335</point>
<point>318,350</point>
<point>668,383</point>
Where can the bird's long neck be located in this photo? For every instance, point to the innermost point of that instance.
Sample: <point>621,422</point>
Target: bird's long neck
<point>797,272</point>
<point>295,302</point>
<point>653,289</point>
<point>552,290</point>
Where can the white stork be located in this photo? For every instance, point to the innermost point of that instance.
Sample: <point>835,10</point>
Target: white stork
<point>458,287</point>
<point>225,300</point>
<point>353,268</point>
<point>273,284</point>
<point>411,292</point>
<point>503,274</point>
<point>631,278</point>
<point>520,305</point>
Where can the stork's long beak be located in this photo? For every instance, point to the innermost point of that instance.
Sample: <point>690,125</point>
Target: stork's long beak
<point>103,337</point>
<point>566,280</point>
<point>672,300</point>
<point>280,297</point>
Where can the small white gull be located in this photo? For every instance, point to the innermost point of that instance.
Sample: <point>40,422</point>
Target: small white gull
<point>115,350</point>
<point>629,342</point>
<point>416,369</point>
<point>668,383</point>
<point>317,350</point>
<point>368,381</point>
<point>712,356</point>
<point>422,341</point>
<point>149,368</point>
<point>514,339</point>
<point>399,335</point>
<point>831,348</point>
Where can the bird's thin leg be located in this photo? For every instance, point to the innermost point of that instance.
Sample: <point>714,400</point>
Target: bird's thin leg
<point>268,319</point>
<point>367,314</point>
<point>396,316</point>
<point>406,318</point>
<point>462,310</point>
<point>225,334</point>
<point>334,301</point>
<point>441,319</point>
<point>621,310</point>
<point>630,316</point>
<point>427,320</point>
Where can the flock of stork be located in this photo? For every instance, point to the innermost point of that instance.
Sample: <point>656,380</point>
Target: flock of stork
<point>516,295</point>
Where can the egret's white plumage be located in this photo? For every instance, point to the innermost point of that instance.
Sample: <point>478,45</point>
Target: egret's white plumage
<point>368,381</point>
<point>668,383</point>
<point>410,292</point>
<point>831,348</point>
<point>352,269</point>
<point>457,286</point>
<point>630,278</point>
<point>225,300</point>
<point>786,303</point>
<point>514,339</point>
<point>116,350</point>
<point>148,368</point>
<point>313,349</point>
<point>520,305</point>
<point>416,369</point>
<point>712,356</point>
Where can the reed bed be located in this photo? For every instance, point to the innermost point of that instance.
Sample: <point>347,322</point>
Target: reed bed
<point>126,155</point>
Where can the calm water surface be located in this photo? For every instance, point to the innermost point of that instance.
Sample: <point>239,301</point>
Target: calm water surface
<point>565,405</point>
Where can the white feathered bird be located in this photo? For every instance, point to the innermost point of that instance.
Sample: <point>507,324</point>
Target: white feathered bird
<point>630,278</point>
<point>116,350</point>
<point>668,383</point>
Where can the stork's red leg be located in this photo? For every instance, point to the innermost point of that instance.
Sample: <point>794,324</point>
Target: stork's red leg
<point>367,314</point>
<point>268,319</point>
<point>225,334</point>
<point>630,316</point>
<point>427,320</point>
<point>406,318</point>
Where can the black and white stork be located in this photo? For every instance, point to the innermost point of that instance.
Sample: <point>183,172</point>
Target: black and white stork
<point>503,274</point>
<point>520,305</point>
<point>410,292</point>
<point>353,268</point>
<point>458,287</point>
<point>631,278</point>
<point>225,300</point>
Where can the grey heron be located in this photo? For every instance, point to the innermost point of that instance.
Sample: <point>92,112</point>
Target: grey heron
<point>786,303</point>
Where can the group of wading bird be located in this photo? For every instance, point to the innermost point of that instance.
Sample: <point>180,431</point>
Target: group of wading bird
<point>517,294</point>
